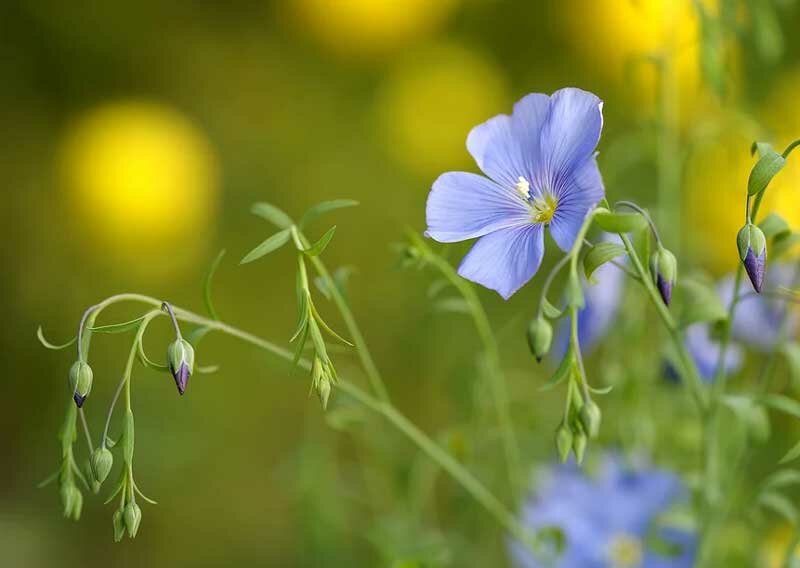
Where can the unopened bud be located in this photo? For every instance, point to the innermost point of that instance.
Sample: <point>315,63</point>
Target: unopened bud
<point>102,462</point>
<point>324,392</point>
<point>80,381</point>
<point>752,245</point>
<point>72,500</point>
<point>132,516</point>
<point>665,272</point>
<point>540,336</point>
<point>563,441</point>
<point>579,444</point>
<point>180,359</point>
<point>590,417</point>
<point>118,522</point>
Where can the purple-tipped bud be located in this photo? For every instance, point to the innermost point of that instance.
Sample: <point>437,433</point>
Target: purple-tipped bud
<point>80,381</point>
<point>755,267</point>
<point>180,359</point>
<point>79,400</point>
<point>752,245</point>
<point>665,271</point>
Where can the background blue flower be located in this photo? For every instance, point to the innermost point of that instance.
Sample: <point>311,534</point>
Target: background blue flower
<point>607,518</point>
<point>542,172</point>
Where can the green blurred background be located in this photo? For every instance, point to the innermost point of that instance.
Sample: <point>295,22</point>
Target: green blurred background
<point>136,136</point>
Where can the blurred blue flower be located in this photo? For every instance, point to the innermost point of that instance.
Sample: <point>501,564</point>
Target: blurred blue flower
<point>704,349</point>
<point>607,519</point>
<point>542,172</point>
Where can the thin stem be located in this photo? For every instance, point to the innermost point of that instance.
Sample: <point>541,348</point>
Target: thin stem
<point>373,375</point>
<point>477,490</point>
<point>627,270</point>
<point>643,213</point>
<point>86,431</point>
<point>790,147</point>
<point>167,308</point>
<point>549,280</point>
<point>497,379</point>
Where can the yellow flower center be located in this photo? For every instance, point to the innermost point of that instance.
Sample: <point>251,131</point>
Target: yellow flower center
<point>625,551</point>
<point>543,208</point>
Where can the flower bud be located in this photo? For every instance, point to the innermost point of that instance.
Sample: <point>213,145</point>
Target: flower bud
<point>590,417</point>
<point>180,360</point>
<point>665,272</point>
<point>72,500</point>
<point>324,392</point>
<point>540,336</point>
<point>80,381</point>
<point>579,444</point>
<point>102,462</point>
<point>132,517</point>
<point>118,521</point>
<point>563,441</point>
<point>752,246</point>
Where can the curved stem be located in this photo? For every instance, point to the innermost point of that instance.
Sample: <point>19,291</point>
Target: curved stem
<point>86,431</point>
<point>167,308</point>
<point>474,487</point>
<point>643,213</point>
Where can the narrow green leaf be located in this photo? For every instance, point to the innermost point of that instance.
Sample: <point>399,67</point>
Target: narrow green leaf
<point>782,478</point>
<point>620,222</point>
<point>207,285</point>
<point>325,326</point>
<point>791,351</point>
<point>562,372</point>
<point>197,334</point>
<point>601,390</point>
<point>207,369</point>
<point>791,455</point>
<point>573,293</point>
<point>325,207</point>
<point>783,404</point>
<point>319,247</point>
<point>641,245</point>
<point>273,243</point>
<point>146,361</point>
<point>272,214</point>
<point>779,504</point>
<point>599,254</point>
<point>117,489</point>
<point>118,327</point>
<point>47,344</point>
<point>303,315</point>
<point>550,310</point>
<point>452,305</point>
<point>142,495</point>
<point>775,227</point>
<point>49,479</point>
<point>765,169</point>
<point>761,148</point>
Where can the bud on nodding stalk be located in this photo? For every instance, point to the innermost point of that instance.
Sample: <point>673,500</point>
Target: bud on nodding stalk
<point>119,525</point>
<point>102,462</point>
<point>563,441</point>
<point>752,246</point>
<point>80,381</point>
<point>180,359</point>
<point>132,517</point>
<point>665,272</point>
<point>540,336</point>
<point>590,417</point>
<point>72,499</point>
<point>579,444</point>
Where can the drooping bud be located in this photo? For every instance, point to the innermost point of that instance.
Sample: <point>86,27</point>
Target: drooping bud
<point>72,500</point>
<point>563,441</point>
<point>752,245</point>
<point>118,522</point>
<point>590,417</point>
<point>102,462</point>
<point>540,336</point>
<point>80,381</point>
<point>579,444</point>
<point>665,272</point>
<point>180,359</point>
<point>132,517</point>
<point>321,381</point>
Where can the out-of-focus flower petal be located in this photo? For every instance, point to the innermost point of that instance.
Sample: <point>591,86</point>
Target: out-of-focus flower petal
<point>464,206</point>
<point>506,259</point>
<point>571,131</point>
<point>705,351</point>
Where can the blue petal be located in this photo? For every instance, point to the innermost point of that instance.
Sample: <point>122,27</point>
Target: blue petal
<point>507,147</point>
<point>464,206</point>
<point>571,132</point>
<point>576,195</point>
<point>506,259</point>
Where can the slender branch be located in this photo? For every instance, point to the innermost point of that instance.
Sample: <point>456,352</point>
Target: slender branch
<point>86,431</point>
<point>643,213</point>
<point>167,308</point>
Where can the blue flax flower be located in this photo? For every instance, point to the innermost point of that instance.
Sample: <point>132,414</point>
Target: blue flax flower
<point>541,172</point>
<point>607,519</point>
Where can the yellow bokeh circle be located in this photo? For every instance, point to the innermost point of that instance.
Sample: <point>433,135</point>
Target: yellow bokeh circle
<point>365,28</point>
<point>143,181</point>
<point>428,105</point>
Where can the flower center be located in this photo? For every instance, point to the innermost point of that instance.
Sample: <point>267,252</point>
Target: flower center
<point>543,208</point>
<point>625,551</point>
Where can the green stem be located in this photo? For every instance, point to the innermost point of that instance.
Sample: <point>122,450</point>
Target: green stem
<point>477,490</point>
<point>497,379</point>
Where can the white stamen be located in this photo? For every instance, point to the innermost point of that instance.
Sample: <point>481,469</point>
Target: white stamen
<point>523,187</point>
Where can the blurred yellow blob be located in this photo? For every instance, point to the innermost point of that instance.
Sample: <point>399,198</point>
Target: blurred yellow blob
<point>143,181</point>
<point>619,38</point>
<point>431,101</point>
<point>773,550</point>
<point>364,28</point>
